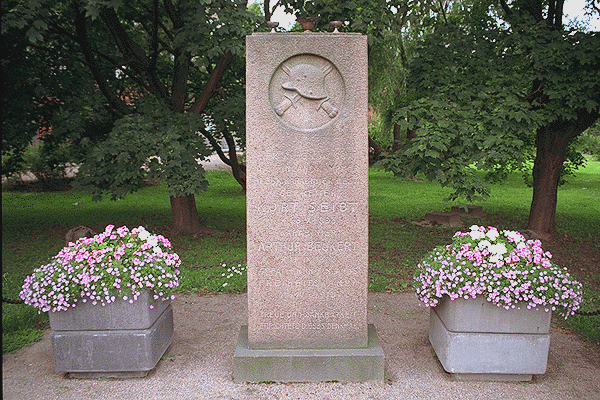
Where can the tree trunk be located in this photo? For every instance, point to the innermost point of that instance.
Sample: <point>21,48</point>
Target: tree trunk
<point>185,216</point>
<point>397,135</point>
<point>551,149</point>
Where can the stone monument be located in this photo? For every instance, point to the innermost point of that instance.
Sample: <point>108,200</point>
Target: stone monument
<point>307,211</point>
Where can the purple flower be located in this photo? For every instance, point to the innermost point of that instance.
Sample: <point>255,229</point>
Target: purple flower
<point>503,267</point>
<point>96,269</point>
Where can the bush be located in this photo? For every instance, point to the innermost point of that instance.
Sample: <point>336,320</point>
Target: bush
<point>12,162</point>
<point>589,142</point>
<point>45,159</point>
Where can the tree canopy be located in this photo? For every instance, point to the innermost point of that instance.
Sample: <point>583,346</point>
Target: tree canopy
<point>469,86</point>
<point>150,61</point>
<point>494,92</point>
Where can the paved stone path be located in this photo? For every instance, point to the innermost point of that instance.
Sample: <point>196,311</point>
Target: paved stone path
<point>199,363</point>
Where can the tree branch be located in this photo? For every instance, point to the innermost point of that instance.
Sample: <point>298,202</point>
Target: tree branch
<point>443,10</point>
<point>216,147</point>
<point>267,10</point>
<point>154,36</point>
<point>505,7</point>
<point>168,34</point>
<point>179,88</point>
<point>82,39</point>
<point>160,89</point>
<point>132,53</point>
<point>558,24</point>
<point>173,14</point>
<point>211,85</point>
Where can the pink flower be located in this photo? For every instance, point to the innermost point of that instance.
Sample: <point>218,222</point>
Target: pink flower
<point>85,279</point>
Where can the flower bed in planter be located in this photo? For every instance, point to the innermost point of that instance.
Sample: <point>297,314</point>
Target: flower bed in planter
<point>109,302</point>
<point>491,295</point>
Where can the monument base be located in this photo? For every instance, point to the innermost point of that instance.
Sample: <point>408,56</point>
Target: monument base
<point>308,365</point>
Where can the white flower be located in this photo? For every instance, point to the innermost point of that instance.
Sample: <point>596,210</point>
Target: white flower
<point>144,235</point>
<point>152,241</point>
<point>497,249</point>
<point>484,244</point>
<point>476,235</point>
<point>515,236</point>
<point>492,234</point>
<point>474,228</point>
<point>157,250</point>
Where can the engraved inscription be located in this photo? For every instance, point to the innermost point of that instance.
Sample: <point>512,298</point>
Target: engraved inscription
<point>306,325</point>
<point>310,319</point>
<point>312,246</point>
<point>308,314</point>
<point>303,181</point>
<point>326,271</point>
<point>312,207</point>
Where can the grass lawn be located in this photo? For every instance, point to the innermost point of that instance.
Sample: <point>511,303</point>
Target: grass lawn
<point>34,225</point>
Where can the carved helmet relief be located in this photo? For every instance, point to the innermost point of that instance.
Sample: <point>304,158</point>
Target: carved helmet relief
<point>306,91</point>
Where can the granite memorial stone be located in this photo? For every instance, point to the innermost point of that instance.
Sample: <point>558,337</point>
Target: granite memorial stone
<point>307,211</point>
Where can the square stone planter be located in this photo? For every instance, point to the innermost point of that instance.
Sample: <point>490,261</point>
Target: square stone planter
<point>119,340</point>
<point>476,340</point>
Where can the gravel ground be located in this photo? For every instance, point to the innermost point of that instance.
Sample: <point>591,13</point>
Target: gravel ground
<point>200,363</point>
<point>214,162</point>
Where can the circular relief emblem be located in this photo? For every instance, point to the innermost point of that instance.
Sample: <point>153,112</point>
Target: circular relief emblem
<point>306,91</point>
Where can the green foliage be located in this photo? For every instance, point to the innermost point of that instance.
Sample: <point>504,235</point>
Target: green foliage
<point>13,341</point>
<point>365,16</point>
<point>224,278</point>
<point>379,133</point>
<point>104,55</point>
<point>450,146</point>
<point>41,80</point>
<point>588,326</point>
<point>48,158</point>
<point>589,141</point>
<point>73,132</point>
<point>153,143</point>
<point>12,162</point>
<point>387,81</point>
<point>81,123</point>
<point>475,108</point>
<point>213,26</point>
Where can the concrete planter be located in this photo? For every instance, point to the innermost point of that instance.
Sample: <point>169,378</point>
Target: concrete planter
<point>118,340</point>
<point>476,340</point>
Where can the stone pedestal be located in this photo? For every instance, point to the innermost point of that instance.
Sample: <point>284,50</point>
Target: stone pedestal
<point>119,340</point>
<point>476,340</point>
<point>307,211</point>
<point>308,365</point>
